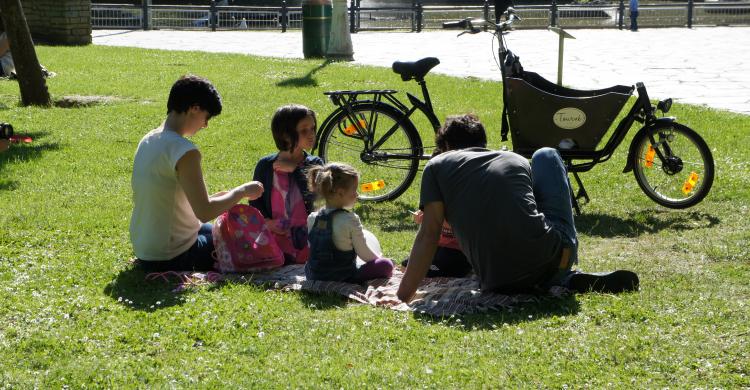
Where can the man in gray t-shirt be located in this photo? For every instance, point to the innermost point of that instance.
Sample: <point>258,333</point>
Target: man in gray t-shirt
<point>489,201</point>
<point>513,220</point>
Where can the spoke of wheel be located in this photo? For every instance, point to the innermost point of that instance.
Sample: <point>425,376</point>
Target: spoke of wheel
<point>344,145</point>
<point>373,123</point>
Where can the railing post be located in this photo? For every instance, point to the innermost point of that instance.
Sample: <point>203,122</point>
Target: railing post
<point>413,15</point>
<point>620,14</point>
<point>419,17</point>
<point>690,5</point>
<point>214,16</point>
<point>553,13</point>
<point>486,12</point>
<point>359,14</point>
<point>353,17</point>
<point>146,14</point>
<point>284,16</point>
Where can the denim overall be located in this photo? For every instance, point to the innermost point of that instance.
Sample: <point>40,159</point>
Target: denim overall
<point>327,262</point>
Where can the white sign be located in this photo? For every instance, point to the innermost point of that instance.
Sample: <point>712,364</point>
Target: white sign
<point>569,118</point>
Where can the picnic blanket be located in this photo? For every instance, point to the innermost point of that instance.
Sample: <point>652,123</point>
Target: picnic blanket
<point>435,297</point>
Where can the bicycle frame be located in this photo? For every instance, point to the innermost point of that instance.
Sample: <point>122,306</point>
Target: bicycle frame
<point>346,100</point>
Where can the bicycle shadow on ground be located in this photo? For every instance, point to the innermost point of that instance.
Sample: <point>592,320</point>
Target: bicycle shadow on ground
<point>306,80</point>
<point>131,289</point>
<point>643,221</point>
<point>546,307</point>
<point>394,216</point>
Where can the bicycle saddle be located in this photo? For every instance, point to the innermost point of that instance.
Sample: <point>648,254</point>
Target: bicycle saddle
<point>415,70</point>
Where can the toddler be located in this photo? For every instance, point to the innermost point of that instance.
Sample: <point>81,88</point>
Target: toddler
<point>337,238</point>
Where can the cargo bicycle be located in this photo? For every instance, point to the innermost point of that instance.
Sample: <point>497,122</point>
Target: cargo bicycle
<point>373,130</point>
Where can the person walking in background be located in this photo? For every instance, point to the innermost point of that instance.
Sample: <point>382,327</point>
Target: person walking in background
<point>633,15</point>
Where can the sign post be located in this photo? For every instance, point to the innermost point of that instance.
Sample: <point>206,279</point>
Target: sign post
<point>562,34</point>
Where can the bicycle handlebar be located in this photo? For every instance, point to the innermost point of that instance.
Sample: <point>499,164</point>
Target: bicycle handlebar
<point>457,24</point>
<point>473,26</point>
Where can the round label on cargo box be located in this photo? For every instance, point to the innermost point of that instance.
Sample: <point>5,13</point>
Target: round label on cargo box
<point>569,118</point>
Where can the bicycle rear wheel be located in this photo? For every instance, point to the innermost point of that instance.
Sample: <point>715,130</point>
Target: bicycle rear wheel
<point>379,142</point>
<point>673,165</point>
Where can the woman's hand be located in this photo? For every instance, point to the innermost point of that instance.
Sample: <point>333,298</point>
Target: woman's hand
<point>277,226</point>
<point>206,208</point>
<point>252,190</point>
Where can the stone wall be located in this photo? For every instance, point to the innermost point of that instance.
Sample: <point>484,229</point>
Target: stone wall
<point>62,22</point>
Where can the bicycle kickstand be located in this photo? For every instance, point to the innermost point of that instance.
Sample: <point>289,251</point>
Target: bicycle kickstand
<point>581,194</point>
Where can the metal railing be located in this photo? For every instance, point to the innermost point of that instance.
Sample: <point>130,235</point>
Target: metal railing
<point>721,14</point>
<point>434,16</point>
<point>116,16</point>
<point>417,17</point>
<point>182,18</point>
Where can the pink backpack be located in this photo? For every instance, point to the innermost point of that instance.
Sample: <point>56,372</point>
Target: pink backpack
<point>243,243</point>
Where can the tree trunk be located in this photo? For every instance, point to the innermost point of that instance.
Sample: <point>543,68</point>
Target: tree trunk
<point>29,72</point>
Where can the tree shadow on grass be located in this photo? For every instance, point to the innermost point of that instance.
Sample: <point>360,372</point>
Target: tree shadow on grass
<point>545,307</point>
<point>132,290</point>
<point>643,221</point>
<point>396,216</point>
<point>306,80</point>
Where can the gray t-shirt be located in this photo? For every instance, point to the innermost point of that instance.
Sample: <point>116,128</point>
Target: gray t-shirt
<point>489,202</point>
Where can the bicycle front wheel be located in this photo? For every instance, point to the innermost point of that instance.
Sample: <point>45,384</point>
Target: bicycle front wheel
<point>673,165</point>
<point>380,143</point>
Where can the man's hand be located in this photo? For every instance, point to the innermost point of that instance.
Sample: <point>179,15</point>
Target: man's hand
<point>423,250</point>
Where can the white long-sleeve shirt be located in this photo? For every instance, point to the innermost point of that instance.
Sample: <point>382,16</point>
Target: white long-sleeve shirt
<point>348,234</point>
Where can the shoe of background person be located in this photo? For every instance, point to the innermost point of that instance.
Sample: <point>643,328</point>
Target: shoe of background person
<point>605,282</point>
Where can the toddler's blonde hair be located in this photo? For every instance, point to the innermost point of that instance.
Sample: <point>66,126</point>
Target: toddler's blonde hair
<point>326,179</point>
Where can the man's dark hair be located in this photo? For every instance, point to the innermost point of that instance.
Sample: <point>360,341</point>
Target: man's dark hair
<point>284,125</point>
<point>191,90</point>
<point>459,132</point>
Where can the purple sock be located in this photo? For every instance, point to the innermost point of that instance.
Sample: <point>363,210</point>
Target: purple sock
<point>376,269</point>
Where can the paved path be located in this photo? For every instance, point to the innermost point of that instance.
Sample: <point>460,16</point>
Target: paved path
<point>708,66</point>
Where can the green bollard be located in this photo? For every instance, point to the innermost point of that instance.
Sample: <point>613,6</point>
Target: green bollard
<point>316,27</point>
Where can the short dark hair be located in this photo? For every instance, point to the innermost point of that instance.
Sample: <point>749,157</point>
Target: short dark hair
<point>191,90</point>
<point>284,125</point>
<point>459,132</point>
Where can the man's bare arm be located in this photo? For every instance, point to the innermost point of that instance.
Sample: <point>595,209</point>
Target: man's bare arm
<point>423,250</point>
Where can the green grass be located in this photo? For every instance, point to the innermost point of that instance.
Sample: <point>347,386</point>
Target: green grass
<point>75,313</point>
